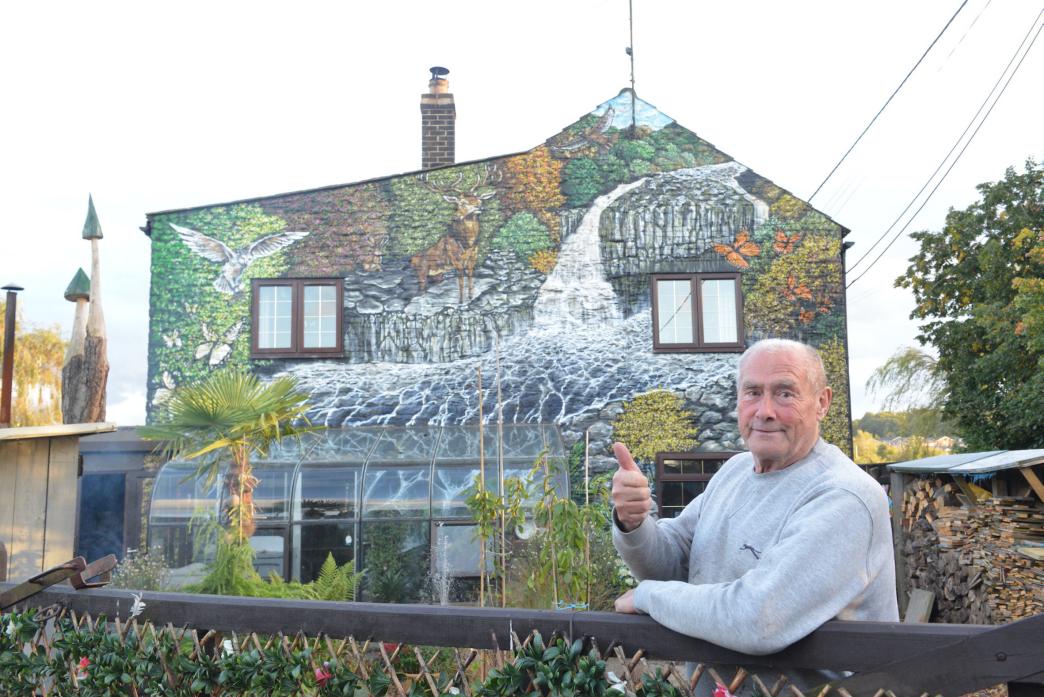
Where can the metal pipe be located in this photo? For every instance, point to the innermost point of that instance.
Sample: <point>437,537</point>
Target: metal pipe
<point>6,388</point>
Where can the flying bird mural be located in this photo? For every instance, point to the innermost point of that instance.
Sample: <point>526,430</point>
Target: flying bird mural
<point>235,262</point>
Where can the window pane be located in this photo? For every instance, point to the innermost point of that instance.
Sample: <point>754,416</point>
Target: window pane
<point>274,305</point>
<point>674,312</point>
<point>712,466</point>
<point>179,495</point>
<point>326,492</point>
<point>320,317</point>
<point>673,467</point>
<point>456,552</point>
<point>186,551</point>
<point>401,492</point>
<point>272,495</point>
<point>719,311</point>
<point>452,485</point>
<point>405,445</point>
<point>101,515</point>
<point>268,552</point>
<point>312,543</point>
<point>396,557</point>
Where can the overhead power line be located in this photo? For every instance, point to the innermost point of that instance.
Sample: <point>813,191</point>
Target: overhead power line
<point>965,147</point>
<point>952,149</point>
<point>888,101</point>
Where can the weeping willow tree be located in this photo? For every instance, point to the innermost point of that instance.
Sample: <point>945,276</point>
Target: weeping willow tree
<point>39,352</point>
<point>909,379</point>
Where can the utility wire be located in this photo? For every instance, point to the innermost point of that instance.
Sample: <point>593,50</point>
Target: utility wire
<point>970,139</point>
<point>951,151</point>
<point>889,100</point>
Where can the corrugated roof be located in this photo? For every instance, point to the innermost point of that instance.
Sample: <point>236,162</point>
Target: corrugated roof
<point>55,431</point>
<point>971,463</point>
<point>1012,459</point>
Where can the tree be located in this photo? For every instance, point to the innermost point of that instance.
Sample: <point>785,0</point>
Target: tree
<point>581,182</point>
<point>39,352</point>
<point>910,378</point>
<point>867,450</point>
<point>531,183</point>
<point>224,421</point>
<point>523,234</point>
<point>419,216</point>
<point>974,283</point>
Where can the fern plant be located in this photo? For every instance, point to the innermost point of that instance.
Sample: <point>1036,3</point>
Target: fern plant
<point>336,582</point>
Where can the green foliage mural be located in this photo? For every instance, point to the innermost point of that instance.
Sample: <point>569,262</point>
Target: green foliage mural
<point>835,426</point>
<point>195,327</point>
<point>629,158</point>
<point>796,289</point>
<point>523,234</point>
<point>655,422</point>
<point>419,216</point>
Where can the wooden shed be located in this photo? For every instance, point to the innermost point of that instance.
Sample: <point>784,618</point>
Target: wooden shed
<point>39,469</point>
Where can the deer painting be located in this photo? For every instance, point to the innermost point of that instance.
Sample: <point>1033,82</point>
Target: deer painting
<point>459,249</point>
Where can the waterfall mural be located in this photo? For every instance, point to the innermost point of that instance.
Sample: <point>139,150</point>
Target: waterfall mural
<point>549,253</point>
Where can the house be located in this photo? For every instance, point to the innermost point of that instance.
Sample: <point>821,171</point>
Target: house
<point>622,255</point>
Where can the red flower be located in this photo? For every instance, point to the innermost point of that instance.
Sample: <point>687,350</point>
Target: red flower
<point>722,691</point>
<point>84,663</point>
<point>391,647</point>
<point>321,676</point>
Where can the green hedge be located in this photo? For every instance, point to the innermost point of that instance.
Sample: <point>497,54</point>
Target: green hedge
<point>105,659</point>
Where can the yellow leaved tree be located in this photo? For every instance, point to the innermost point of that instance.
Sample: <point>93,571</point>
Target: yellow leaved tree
<point>39,353</point>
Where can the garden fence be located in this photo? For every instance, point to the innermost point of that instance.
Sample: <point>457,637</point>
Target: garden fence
<point>883,658</point>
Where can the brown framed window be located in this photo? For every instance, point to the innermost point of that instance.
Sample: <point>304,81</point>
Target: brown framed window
<point>297,317</point>
<point>697,312</point>
<point>681,477</point>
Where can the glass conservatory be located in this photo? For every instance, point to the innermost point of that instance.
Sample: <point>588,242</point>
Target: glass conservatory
<point>390,500</point>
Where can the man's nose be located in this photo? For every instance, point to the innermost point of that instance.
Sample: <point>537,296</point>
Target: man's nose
<point>765,408</point>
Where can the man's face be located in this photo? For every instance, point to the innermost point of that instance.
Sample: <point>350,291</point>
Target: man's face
<point>779,409</point>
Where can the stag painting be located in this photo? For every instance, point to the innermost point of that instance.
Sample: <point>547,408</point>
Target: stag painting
<point>459,249</point>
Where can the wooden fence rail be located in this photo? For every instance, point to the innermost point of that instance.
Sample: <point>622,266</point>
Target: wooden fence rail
<point>921,658</point>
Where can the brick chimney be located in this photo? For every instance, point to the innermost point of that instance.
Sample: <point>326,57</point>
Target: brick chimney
<point>438,122</point>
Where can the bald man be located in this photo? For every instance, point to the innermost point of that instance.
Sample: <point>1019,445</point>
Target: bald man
<point>785,537</point>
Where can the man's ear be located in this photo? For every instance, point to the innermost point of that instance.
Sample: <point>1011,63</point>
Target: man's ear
<point>823,402</point>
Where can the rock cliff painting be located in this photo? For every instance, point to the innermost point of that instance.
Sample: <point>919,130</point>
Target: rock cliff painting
<point>547,254</point>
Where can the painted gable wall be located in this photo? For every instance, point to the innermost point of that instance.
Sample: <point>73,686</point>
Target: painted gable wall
<point>556,270</point>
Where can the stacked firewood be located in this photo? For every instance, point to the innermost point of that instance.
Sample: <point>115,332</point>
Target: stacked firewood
<point>984,563</point>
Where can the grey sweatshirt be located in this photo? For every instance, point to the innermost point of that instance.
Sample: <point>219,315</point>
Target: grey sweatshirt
<point>759,561</point>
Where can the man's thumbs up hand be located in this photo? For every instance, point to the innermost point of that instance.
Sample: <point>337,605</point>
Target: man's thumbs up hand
<point>631,498</point>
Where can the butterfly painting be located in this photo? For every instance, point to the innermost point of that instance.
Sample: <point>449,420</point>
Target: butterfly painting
<point>784,243</point>
<point>796,291</point>
<point>164,393</point>
<point>737,252</point>
<point>172,340</point>
<point>216,346</point>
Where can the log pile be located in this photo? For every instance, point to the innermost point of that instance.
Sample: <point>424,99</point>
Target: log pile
<point>985,563</point>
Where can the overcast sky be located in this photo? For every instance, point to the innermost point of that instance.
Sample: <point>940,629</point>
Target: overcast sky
<point>155,106</point>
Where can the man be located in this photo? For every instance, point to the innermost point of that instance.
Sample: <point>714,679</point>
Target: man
<point>785,537</point>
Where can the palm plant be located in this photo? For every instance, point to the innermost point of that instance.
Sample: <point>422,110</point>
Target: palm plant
<point>227,419</point>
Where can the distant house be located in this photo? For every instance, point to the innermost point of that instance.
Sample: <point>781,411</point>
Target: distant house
<point>944,443</point>
<point>622,255</point>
